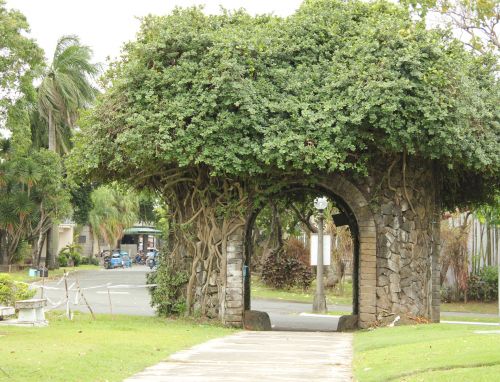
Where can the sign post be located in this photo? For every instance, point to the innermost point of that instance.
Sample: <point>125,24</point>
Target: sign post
<point>319,304</point>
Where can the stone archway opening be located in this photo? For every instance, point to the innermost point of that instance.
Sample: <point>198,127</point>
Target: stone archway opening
<point>352,211</point>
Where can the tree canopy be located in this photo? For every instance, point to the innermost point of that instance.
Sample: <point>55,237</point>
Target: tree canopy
<point>20,58</point>
<point>327,89</point>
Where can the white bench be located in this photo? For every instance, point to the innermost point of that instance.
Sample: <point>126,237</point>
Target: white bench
<point>31,311</point>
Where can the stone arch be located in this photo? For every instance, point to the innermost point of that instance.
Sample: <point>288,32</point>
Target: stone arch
<point>363,229</point>
<point>365,242</point>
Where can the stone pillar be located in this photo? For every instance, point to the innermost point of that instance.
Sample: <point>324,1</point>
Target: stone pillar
<point>232,302</point>
<point>436,264</point>
<point>407,257</point>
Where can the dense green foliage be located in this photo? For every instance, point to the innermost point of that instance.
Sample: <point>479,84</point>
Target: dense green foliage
<point>70,252</point>
<point>32,194</point>
<point>11,291</point>
<point>483,286</point>
<point>326,89</point>
<point>168,296</point>
<point>82,203</point>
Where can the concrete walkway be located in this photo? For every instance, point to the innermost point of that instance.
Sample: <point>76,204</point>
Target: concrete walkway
<point>259,356</point>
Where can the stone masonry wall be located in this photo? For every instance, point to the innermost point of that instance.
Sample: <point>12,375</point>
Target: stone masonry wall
<point>406,217</point>
<point>233,301</point>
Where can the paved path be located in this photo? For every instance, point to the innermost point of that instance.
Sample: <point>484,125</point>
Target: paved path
<point>286,315</point>
<point>259,356</point>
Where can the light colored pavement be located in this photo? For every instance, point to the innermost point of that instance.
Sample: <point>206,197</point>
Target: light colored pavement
<point>285,315</point>
<point>259,356</point>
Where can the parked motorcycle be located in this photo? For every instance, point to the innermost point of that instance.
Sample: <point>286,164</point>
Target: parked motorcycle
<point>152,257</point>
<point>107,262</point>
<point>140,259</point>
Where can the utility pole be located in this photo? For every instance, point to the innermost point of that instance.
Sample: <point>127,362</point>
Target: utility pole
<point>319,304</point>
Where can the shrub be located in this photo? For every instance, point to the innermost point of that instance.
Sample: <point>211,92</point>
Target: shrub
<point>89,260</point>
<point>22,254</point>
<point>168,298</point>
<point>70,252</point>
<point>483,286</point>
<point>10,291</point>
<point>77,259</point>
<point>446,293</point>
<point>286,268</point>
<point>62,259</point>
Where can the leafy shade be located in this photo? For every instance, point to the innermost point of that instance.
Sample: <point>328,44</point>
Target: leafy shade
<point>330,88</point>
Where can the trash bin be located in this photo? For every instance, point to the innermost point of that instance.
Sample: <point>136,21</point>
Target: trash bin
<point>43,272</point>
<point>32,272</point>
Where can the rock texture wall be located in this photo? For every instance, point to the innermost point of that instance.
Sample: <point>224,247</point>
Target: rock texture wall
<point>396,211</point>
<point>404,206</point>
<point>233,294</point>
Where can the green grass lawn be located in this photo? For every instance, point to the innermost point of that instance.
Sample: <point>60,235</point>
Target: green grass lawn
<point>53,274</point>
<point>427,353</point>
<point>260,290</point>
<point>101,350</point>
<point>472,307</point>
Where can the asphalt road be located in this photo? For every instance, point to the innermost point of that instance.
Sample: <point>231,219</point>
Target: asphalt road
<point>134,299</point>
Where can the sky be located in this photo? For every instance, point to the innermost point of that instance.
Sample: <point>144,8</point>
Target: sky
<point>105,25</point>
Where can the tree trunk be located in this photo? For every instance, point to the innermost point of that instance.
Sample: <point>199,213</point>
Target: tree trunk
<point>53,234</point>
<point>52,247</point>
<point>488,244</point>
<point>52,133</point>
<point>41,241</point>
<point>3,248</point>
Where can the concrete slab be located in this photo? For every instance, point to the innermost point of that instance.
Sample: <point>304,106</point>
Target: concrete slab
<point>259,356</point>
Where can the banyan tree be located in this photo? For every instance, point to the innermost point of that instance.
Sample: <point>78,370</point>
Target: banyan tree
<point>219,113</point>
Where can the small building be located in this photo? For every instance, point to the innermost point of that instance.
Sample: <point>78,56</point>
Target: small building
<point>139,238</point>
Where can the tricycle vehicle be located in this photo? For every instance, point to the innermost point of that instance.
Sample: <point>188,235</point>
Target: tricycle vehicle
<point>117,259</point>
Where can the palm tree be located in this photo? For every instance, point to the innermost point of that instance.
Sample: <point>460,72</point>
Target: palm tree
<point>112,212</point>
<point>66,87</point>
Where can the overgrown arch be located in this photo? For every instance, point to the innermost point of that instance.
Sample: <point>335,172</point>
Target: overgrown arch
<point>353,204</point>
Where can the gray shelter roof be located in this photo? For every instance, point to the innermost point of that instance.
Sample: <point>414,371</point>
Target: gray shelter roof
<point>141,231</point>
